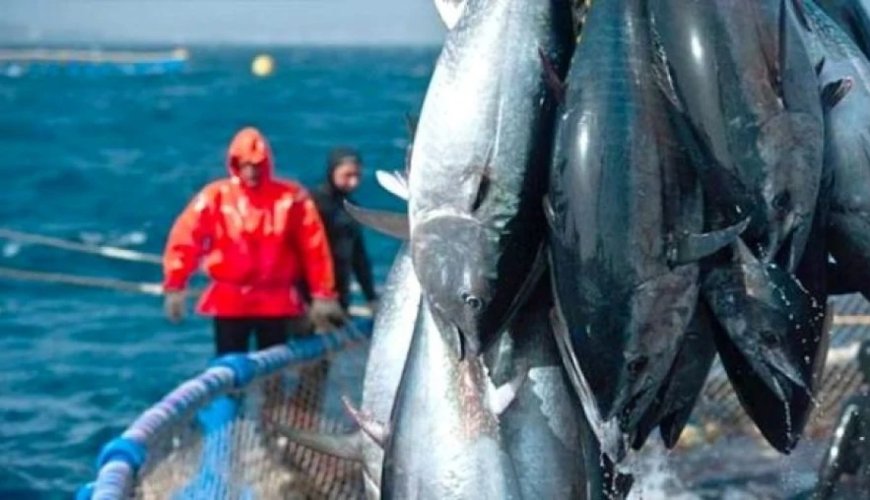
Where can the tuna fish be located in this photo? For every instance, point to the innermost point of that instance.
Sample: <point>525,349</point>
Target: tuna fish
<point>767,326</point>
<point>553,450</point>
<point>845,78</point>
<point>765,320</point>
<point>626,216</point>
<point>479,166</point>
<point>756,107</point>
<point>444,440</point>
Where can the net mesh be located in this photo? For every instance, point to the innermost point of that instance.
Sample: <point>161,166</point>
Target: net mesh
<point>242,454</point>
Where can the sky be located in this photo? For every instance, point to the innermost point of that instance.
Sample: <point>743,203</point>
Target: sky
<point>369,22</point>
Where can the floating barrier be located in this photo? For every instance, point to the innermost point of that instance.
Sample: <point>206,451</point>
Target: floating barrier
<point>21,62</point>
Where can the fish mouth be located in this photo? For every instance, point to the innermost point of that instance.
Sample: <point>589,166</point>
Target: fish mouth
<point>463,341</point>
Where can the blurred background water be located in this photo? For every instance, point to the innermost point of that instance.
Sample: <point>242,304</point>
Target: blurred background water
<point>111,160</point>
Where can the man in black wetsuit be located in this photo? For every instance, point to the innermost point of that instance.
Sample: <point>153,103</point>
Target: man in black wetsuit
<point>850,448</point>
<point>343,173</point>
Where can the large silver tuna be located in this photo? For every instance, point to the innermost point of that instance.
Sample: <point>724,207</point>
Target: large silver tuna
<point>444,440</point>
<point>479,165</point>
<point>553,450</point>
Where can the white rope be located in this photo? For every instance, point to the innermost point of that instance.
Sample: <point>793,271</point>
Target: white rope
<point>70,279</point>
<point>102,250</point>
<point>155,289</point>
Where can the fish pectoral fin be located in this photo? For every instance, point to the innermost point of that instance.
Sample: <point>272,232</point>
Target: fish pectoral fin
<point>371,427</point>
<point>557,84</point>
<point>389,223</point>
<point>450,11</point>
<point>691,247</point>
<point>834,92</point>
<point>500,398</point>
<point>347,446</point>
<point>394,182</point>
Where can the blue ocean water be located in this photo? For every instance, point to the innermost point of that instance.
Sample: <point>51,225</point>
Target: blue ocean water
<point>111,160</point>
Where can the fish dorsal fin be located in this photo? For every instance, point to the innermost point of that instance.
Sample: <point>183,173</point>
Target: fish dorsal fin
<point>691,247</point>
<point>450,11</point>
<point>390,223</point>
<point>372,428</point>
<point>395,183</point>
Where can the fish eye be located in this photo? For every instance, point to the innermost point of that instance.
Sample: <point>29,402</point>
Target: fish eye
<point>782,200</point>
<point>637,365</point>
<point>472,301</point>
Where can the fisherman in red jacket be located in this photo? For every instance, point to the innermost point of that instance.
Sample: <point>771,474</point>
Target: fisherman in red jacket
<point>257,237</point>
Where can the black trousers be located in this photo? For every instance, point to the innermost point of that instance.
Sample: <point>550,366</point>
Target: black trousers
<point>234,334</point>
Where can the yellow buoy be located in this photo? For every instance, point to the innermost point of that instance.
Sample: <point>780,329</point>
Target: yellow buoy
<point>263,65</point>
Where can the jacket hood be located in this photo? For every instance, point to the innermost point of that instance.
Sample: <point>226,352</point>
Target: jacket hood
<point>336,157</point>
<point>250,146</point>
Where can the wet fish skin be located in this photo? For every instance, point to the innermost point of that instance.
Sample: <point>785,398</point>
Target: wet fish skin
<point>765,320</point>
<point>853,17</point>
<point>478,171</point>
<point>763,127</point>
<point>445,441</point>
<point>767,327</point>
<point>391,340</point>
<point>554,452</point>
<point>625,303</point>
<point>676,399</point>
<point>848,148</point>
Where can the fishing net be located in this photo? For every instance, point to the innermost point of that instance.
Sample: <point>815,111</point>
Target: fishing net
<point>234,447</point>
<point>229,443</point>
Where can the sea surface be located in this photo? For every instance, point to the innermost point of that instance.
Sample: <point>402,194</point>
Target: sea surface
<point>112,159</point>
